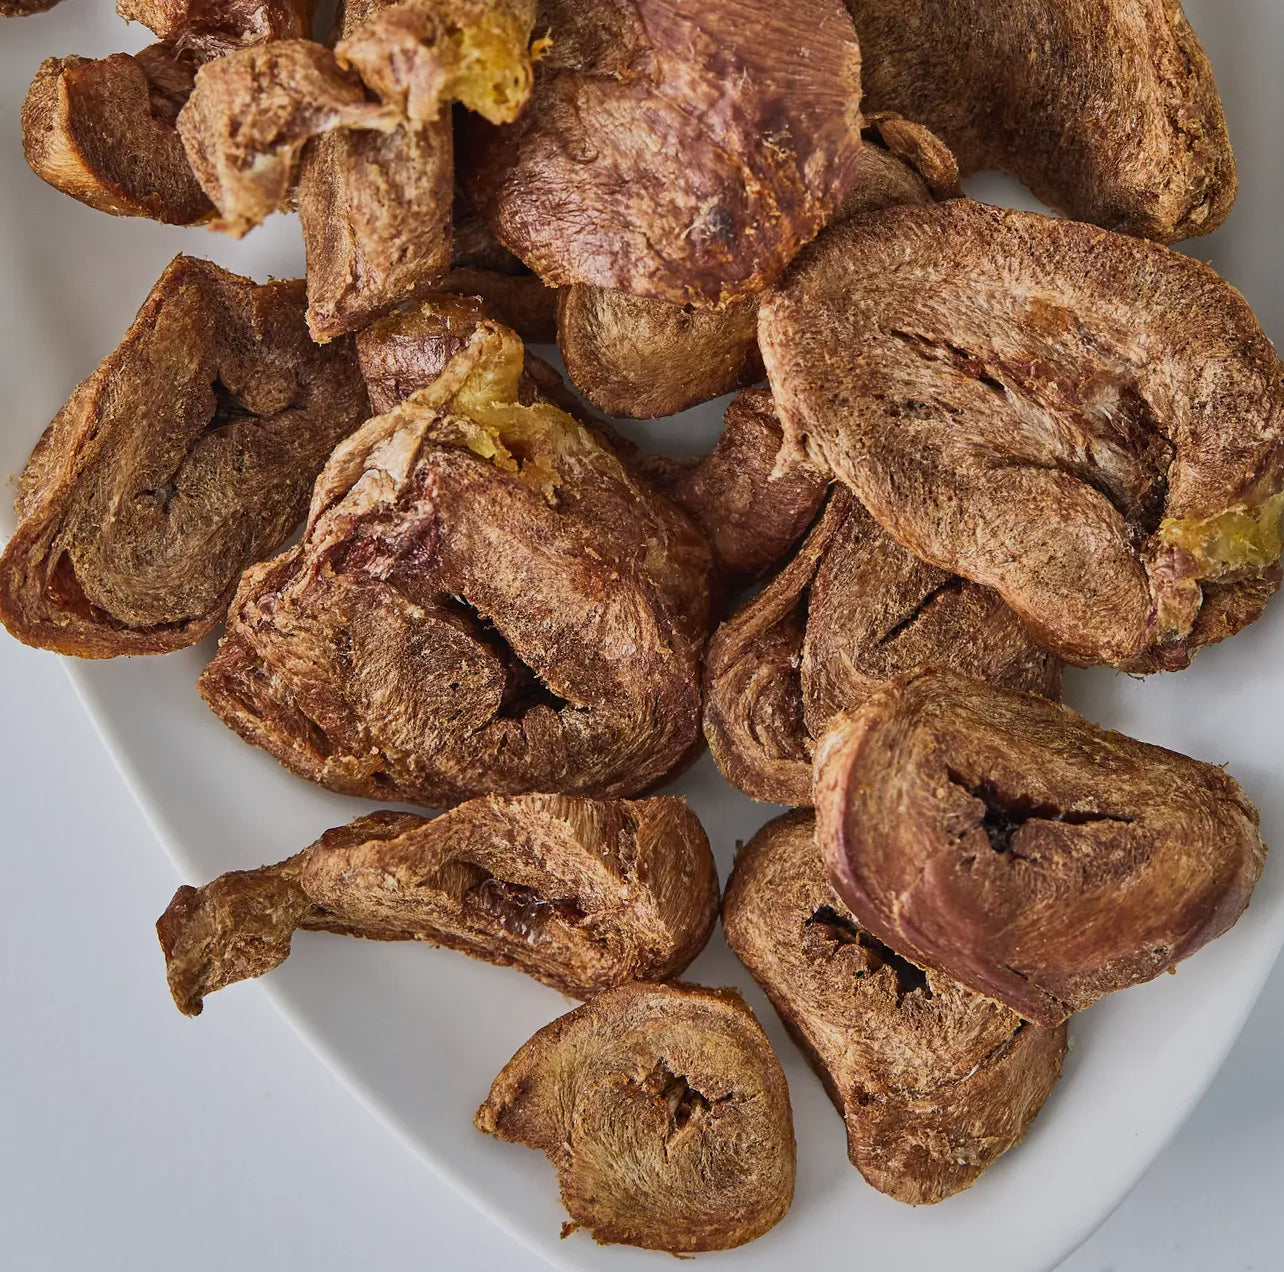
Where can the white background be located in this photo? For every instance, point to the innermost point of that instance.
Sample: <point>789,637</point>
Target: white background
<point>135,1140</point>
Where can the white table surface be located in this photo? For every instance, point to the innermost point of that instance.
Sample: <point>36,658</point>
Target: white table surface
<point>134,1139</point>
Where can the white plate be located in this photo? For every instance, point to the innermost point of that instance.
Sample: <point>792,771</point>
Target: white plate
<point>419,1033</point>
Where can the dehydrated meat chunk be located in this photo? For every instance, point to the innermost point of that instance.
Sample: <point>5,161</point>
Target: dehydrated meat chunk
<point>1106,109</point>
<point>851,611</point>
<point>376,205</point>
<point>581,894</point>
<point>486,600</point>
<point>751,514</point>
<point>633,356</point>
<point>1005,841</point>
<point>187,455</point>
<point>933,1081</point>
<point>665,1112</point>
<point>251,114</point>
<point>214,26</point>
<point>683,153</point>
<point>21,8</point>
<point>103,132</point>
<point>1089,423</point>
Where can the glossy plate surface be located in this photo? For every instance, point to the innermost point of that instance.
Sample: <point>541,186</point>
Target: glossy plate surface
<point>419,1033</point>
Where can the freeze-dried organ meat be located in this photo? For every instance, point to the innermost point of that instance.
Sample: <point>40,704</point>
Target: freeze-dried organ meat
<point>1106,109</point>
<point>751,514</point>
<point>674,151</point>
<point>376,205</point>
<point>1004,841</point>
<point>934,1082</point>
<point>1089,423</point>
<point>642,358</point>
<point>664,1110</point>
<point>104,132</point>
<point>486,600</point>
<point>211,27</point>
<point>849,612</point>
<point>21,8</point>
<point>251,114</point>
<point>581,894</point>
<point>185,457</point>
<point>522,301</point>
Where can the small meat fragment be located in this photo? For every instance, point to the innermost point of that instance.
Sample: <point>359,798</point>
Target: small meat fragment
<point>681,152</point>
<point>851,611</point>
<point>933,1081</point>
<point>376,205</point>
<point>1106,109</point>
<point>1091,424</point>
<point>185,457</point>
<point>485,600</point>
<point>581,894</point>
<point>104,132</point>
<point>665,1112</point>
<point>250,116</point>
<point>642,358</point>
<point>211,27</point>
<point>751,514</point>
<point>22,8</point>
<point>1004,841</point>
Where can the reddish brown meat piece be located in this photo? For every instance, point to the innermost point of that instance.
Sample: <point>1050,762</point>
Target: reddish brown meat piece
<point>211,27</point>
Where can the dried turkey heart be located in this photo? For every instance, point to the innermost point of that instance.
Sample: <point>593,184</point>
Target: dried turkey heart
<point>674,151</point>
<point>934,1082</point>
<point>1006,842</point>
<point>21,8</point>
<point>581,894</point>
<point>376,205</point>
<point>185,457</point>
<point>251,114</point>
<point>1089,423</point>
<point>634,356</point>
<point>213,26</point>
<point>665,1112</point>
<point>485,600</point>
<point>104,132</point>
<point>849,612</point>
<point>1106,109</point>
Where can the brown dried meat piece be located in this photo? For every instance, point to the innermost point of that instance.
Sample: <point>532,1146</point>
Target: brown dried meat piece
<point>933,1081</point>
<point>376,205</point>
<point>104,132</point>
<point>212,27</point>
<point>1005,841</point>
<point>1106,109</point>
<point>751,514</point>
<point>580,894</point>
<point>851,611</point>
<point>665,1112</point>
<point>22,8</point>
<point>1089,423</point>
<point>678,152</point>
<point>250,116</point>
<point>523,301</point>
<point>185,457</point>
<point>486,600</point>
<point>642,358</point>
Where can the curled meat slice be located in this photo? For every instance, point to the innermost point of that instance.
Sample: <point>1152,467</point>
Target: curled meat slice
<point>643,358</point>
<point>849,612</point>
<point>185,457</point>
<point>486,600</point>
<point>1106,109</point>
<point>752,514</point>
<point>251,114</point>
<point>664,1110</point>
<point>104,132</point>
<point>376,205</point>
<point>581,894</point>
<point>211,27</point>
<point>674,151</point>
<point>933,1081</point>
<point>1005,841</point>
<point>1089,423</point>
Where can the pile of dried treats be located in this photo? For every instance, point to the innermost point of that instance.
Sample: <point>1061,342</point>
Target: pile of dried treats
<point>983,444</point>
